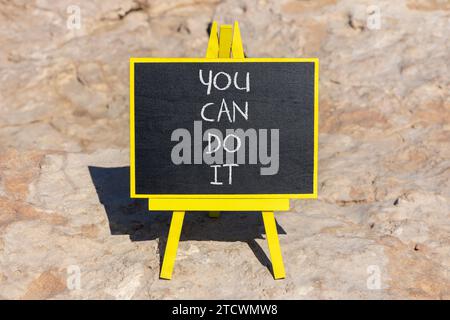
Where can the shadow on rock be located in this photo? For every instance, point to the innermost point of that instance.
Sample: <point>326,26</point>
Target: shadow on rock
<point>131,217</point>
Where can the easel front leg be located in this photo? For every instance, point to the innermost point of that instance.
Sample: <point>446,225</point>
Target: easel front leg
<point>274,244</point>
<point>172,244</point>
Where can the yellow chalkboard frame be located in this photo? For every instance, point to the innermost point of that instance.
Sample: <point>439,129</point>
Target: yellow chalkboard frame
<point>223,196</point>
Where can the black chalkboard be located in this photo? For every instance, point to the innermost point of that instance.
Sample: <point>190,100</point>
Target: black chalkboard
<point>215,128</point>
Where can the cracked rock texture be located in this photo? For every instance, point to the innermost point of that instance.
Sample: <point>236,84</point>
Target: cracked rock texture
<point>380,228</point>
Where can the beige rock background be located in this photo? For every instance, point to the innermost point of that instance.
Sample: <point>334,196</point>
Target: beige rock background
<point>379,230</point>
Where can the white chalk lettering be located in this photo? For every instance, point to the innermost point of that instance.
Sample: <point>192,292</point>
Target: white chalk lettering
<point>230,148</point>
<point>222,81</point>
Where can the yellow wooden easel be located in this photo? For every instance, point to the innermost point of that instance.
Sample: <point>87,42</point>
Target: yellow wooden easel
<point>228,45</point>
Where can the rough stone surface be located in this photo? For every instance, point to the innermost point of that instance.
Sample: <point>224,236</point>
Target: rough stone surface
<point>381,225</point>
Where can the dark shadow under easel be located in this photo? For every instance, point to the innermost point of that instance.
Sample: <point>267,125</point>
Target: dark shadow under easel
<point>131,217</point>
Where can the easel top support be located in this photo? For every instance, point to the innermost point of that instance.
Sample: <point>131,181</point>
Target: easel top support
<point>229,45</point>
